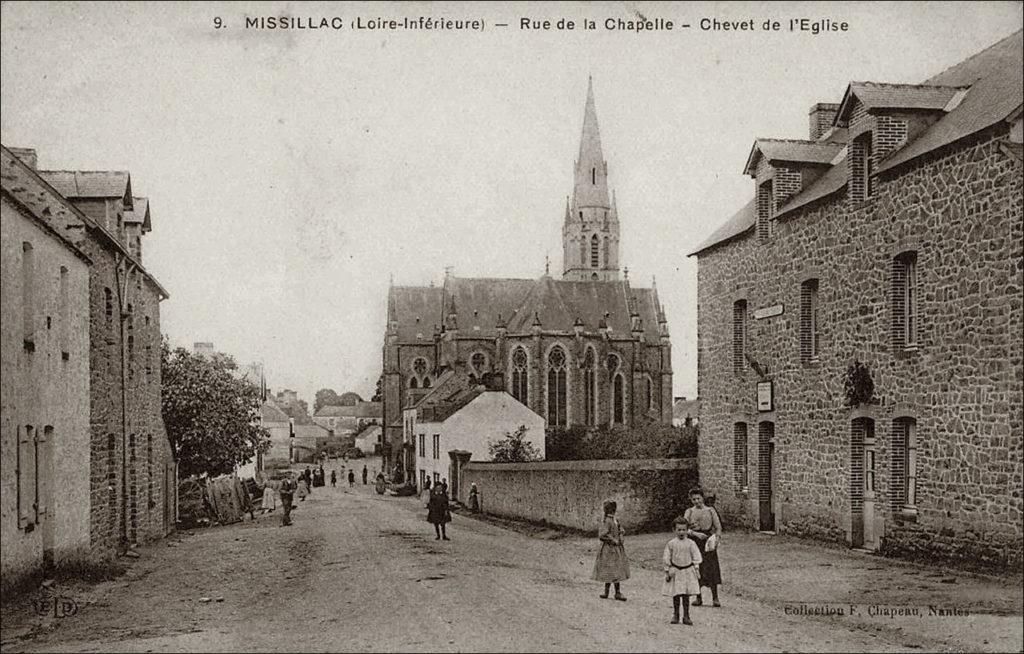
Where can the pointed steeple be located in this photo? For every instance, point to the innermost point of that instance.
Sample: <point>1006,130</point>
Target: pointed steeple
<point>591,188</point>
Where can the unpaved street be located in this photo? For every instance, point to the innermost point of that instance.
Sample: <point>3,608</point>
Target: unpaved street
<point>362,572</point>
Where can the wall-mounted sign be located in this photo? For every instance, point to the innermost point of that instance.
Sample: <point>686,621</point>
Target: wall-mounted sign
<point>766,396</point>
<point>768,312</point>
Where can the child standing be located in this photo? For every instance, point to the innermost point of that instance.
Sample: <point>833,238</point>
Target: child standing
<point>611,565</point>
<point>682,579</point>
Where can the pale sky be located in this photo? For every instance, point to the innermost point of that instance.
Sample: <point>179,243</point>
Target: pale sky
<point>291,172</point>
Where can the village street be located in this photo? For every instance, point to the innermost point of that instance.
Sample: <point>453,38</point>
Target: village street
<point>362,572</point>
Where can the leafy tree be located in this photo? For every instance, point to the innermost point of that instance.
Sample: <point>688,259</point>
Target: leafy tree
<point>298,410</point>
<point>858,386</point>
<point>650,441</point>
<point>211,416</point>
<point>325,397</point>
<point>513,449</point>
<point>378,393</point>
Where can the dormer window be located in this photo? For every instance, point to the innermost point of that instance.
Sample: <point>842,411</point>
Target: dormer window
<point>765,210</point>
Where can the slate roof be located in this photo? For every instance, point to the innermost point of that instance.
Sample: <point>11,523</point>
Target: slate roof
<point>360,410</point>
<point>90,183</point>
<point>816,152</point>
<point>37,198</point>
<point>877,95</point>
<point>557,303</point>
<point>311,431</point>
<point>451,405</point>
<point>139,213</point>
<point>270,412</point>
<point>737,224</point>
<point>994,92</point>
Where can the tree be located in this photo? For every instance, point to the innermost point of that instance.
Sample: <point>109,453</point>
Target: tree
<point>298,410</point>
<point>210,415</point>
<point>378,393</point>
<point>513,449</point>
<point>325,397</point>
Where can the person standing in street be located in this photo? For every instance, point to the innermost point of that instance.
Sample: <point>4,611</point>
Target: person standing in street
<point>682,579</point>
<point>611,565</point>
<point>438,513</point>
<point>351,478</point>
<point>269,498</point>
<point>334,478</point>
<point>288,487</point>
<point>365,473</point>
<point>705,524</point>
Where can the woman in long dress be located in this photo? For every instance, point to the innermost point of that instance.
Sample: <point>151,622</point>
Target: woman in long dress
<point>611,565</point>
<point>704,523</point>
<point>438,513</point>
<point>269,498</point>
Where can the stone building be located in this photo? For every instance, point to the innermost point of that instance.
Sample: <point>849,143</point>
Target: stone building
<point>891,237</point>
<point>132,474</point>
<point>589,349</point>
<point>44,377</point>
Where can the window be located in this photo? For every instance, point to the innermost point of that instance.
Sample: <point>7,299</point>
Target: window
<point>423,446</point>
<point>903,474</point>
<point>809,321</point>
<point>108,308</point>
<point>869,168</point>
<point>413,383</point>
<point>739,456</point>
<point>862,167</point>
<point>583,248</point>
<point>589,388</point>
<point>650,393</point>
<point>437,446</point>
<point>618,390</point>
<point>149,360</point>
<point>765,210</point>
<point>739,335</point>
<point>479,363</point>
<point>904,300</point>
<point>557,388</point>
<point>520,376</point>
<point>593,176</point>
<point>607,256</point>
<point>595,251</point>
<point>426,382</point>
<point>28,307</point>
<point>64,315</point>
<point>26,473</point>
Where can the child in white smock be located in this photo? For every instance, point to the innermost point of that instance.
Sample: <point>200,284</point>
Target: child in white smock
<point>682,577</point>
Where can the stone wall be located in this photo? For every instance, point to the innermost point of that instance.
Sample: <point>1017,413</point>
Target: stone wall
<point>44,487</point>
<point>960,210</point>
<point>649,492</point>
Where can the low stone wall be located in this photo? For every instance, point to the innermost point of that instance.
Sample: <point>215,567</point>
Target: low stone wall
<point>649,492</point>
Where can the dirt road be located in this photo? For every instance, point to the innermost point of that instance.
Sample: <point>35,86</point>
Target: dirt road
<point>362,572</point>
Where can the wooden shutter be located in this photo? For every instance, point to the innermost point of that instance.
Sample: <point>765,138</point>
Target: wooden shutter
<point>26,477</point>
<point>42,476</point>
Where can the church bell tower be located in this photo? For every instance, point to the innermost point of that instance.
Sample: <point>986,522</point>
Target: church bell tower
<point>590,233</point>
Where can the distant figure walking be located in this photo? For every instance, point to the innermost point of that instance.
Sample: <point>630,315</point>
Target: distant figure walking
<point>334,478</point>
<point>302,488</point>
<point>351,478</point>
<point>269,498</point>
<point>309,480</point>
<point>288,487</point>
<point>365,473</point>
<point>611,565</point>
<point>438,513</point>
<point>444,485</point>
<point>474,497</point>
<point>380,483</point>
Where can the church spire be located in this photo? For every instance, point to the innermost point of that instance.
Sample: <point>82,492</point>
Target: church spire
<point>591,187</point>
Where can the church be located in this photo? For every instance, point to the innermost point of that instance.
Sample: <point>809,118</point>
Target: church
<point>587,350</point>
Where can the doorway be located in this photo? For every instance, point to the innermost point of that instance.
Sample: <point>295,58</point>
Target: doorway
<point>766,476</point>
<point>862,483</point>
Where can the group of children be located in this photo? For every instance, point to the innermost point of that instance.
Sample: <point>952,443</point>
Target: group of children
<point>690,559</point>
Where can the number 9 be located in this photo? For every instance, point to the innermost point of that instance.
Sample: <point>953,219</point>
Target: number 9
<point>217,23</point>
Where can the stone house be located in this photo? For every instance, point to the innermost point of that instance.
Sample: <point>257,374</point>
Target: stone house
<point>891,236</point>
<point>589,349</point>
<point>279,427</point>
<point>349,419</point>
<point>44,377</point>
<point>449,431</point>
<point>132,473</point>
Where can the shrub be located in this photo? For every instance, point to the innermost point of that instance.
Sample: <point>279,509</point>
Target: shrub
<point>652,441</point>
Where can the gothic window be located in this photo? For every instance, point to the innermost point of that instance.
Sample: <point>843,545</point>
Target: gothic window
<point>618,400</point>
<point>595,251</point>
<point>479,363</point>
<point>593,176</point>
<point>519,375</point>
<point>413,383</point>
<point>426,382</point>
<point>557,404</point>
<point>589,388</point>
<point>419,366</point>
<point>583,248</point>
<point>650,392</point>
<point>607,255</point>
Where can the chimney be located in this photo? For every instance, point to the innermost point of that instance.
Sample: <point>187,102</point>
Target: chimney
<point>27,156</point>
<point>821,116</point>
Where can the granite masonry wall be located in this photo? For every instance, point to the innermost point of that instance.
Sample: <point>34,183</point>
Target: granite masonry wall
<point>960,211</point>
